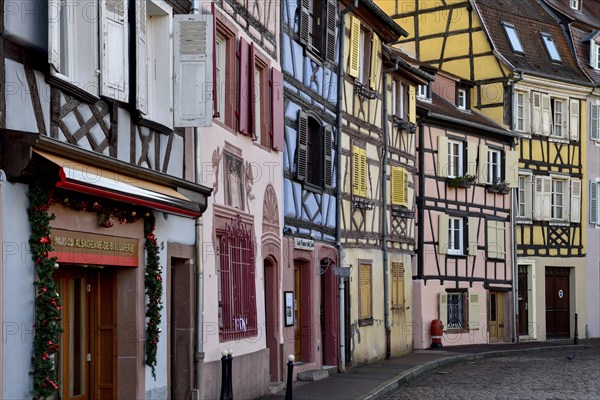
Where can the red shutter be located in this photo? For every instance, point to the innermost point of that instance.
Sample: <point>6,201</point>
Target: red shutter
<point>252,91</point>
<point>277,117</point>
<point>243,110</point>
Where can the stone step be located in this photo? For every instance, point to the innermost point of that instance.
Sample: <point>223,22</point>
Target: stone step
<point>276,387</point>
<point>313,375</point>
<point>331,369</point>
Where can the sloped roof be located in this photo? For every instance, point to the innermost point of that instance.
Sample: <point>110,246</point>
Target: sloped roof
<point>582,48</point>
<point>589,13</point>
<point>530,20</point>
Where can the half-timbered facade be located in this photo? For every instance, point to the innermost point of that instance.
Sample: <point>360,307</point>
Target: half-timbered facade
<point>242,226</point>
<point>87,93</point>
<point>466,169</point>
<point>309,62</point>
<point>525,79</point>
<point>378,165</point>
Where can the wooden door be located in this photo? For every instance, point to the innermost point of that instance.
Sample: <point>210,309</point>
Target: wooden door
<point>496,316</point>
<point>557,302</point>
<point>523,306</point>
<point>297,312</point>
<point>271,319</point>
<point>182,328</point>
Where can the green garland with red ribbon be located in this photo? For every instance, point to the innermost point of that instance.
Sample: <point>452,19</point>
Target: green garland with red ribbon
<point>47,303</point>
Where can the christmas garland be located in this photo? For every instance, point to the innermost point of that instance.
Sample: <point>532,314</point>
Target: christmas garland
<point>48,305</point>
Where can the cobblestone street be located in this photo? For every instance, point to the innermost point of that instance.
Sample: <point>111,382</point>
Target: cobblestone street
<point>547,375</point>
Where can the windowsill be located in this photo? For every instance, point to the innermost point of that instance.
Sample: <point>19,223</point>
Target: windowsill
<point>154,125</point>
<point>311,187</point>
<point>261,146</point>
<point>365,322</point>
<point>495,259</point>
<point>524,221</point>
<point>555,139</point>
<point>559,223</point>
<point>72,90</point>
<point>458,256</point>
<point>457,330</point>
<point>223,125</point>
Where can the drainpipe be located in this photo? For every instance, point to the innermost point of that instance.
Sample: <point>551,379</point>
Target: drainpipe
<point>384,236</point>
<point>513,225</point>
<point>198,260</point>
<point>421,196</point>
<point>338,179</point>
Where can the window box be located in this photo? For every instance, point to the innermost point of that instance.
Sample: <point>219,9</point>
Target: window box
<point>363,203</point>
<point>402,212</point>
<point>364,91</point>
<point>461,181</point>
<point>404,124</point>
<point>499,186</point>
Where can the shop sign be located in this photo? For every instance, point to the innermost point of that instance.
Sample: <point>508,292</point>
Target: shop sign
<point>93,249</point>
<point>304,244</point>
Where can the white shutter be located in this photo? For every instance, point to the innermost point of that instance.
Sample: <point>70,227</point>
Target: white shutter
<point>595,122</point>
<point>538,206</point>
<point>114,50</point>
<point>527,113</point>
<point>536,113</point>
<point>473,310</point>
<point>442,161</point>
<point>471,158</point>
<point>593,202</point>
<point>444,310</point>
<point>473,235</point>
<point>193,70</point>
<point>546,115</point>
<point>54,35</point>
<point>500,240</point>
<point>492,247</point>
<point>511,168</point>
<point>443,234</point>
<point>528,196</point>
<point>482,171</point>
<point>593,54</point>
<point>575,200</point>
<point>574,119</point>
<point>547,197</point>
<point>141,39</point>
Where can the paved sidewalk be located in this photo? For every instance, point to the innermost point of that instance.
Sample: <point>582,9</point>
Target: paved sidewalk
<point>377,379</point>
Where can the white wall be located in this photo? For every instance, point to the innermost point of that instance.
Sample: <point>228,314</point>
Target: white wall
<point>26,22</point>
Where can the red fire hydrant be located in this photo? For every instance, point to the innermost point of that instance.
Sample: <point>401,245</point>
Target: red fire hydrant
<point>436,334</point>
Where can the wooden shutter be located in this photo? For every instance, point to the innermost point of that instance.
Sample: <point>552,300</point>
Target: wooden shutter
<point>527,113</point>
<point>574,119</point>
<point>593,54</point>
<point>536,106</point>
<point>328,172</point>
<point>483,166</point>
<point>546,115</point>
<point>443,234</point>
<point>243,108</point>
<point>471,159</point>
<point>399,186</point>
<point>252,95</point>
<point>511,168</point>
<point>492,248</point>
<point>375,61</point>
<point>193,70</point>
<point>330,42</point>
<point>528,196</point>
<point>397,285</point>
<point>304,21</point>
<point>473,235</point>
<point>443,303</point>
<point>500,239</point>
<point>365,291</point>
<point>575,202</point>
<point>363,172</point>
<point>277,110</point>
<point>442,156</point>
<point>473,310</point>
<point>595,122</point>
<point>594,202</point>
<point>302,142</point>
<point>412,105</point>
<point>542,198</point>
<point>353,62</point>
<point>547,203</point>
<point>54,35</point>
<point>404,188</point>
<point>356,171</point>
<point>114,50</point>
<point>141,49</point>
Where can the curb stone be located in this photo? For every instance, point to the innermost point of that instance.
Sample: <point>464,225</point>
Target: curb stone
<point>406,376</point>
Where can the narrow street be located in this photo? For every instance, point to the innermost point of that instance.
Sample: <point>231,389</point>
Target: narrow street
<point>549,375</point>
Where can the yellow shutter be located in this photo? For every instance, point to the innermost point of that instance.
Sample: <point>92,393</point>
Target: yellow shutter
<point>412,105</point>
<point>397,186</point>
<point>442,156</point>
<point>353,62</point>
<point>356,171</point>
<point>363,172</point>
<point>473,310</point>
<point>397,285</point>
<point>444,310</point>
<point>375,63</point>
<point>404,188</point>
<point>365,291</point>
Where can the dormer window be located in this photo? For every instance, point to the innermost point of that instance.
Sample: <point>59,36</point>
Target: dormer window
<point>513,38</point>
<point>575,5</point>
<point>550,47</point>
<point>461,98</point>
<point>594,54</point>
<point>424,92</point>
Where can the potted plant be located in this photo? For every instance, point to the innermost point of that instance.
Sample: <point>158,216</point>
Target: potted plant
<point>462,181</point>
<point>499,186</point>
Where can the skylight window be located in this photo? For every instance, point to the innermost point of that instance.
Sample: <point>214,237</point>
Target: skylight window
<point>551,47</point>
<point>575,4</point>
<point>513,38</point>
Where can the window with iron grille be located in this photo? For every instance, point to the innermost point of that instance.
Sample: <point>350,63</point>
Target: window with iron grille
<point>237,288</point>
<point>456,305</point>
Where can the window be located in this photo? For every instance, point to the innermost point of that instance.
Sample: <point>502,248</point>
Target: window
<point>236,282</point>
<point>314,162</point>
<point>520,113</point>
<point>558,199</point>
<point>558,119</point>
<point>555,116</point>
<point>220,68</point>
<point>359,171</point>
<point>399,91</point>
<point>364,56</point>
<point>234,184</point>
<point>317,27</point>
<point>494,166</point>
<point>399,186</point>
<point>260,105</point>
<point>595,121</point>
<point>455,158</point>
<point>595,201</point>
<point>496,237</point>
<point>397,285</point>
<point>424,92</point>
<point>455,236</point>
<point>366,293</point>
<point>550,47</point>
<point>513,38</point>
<point>461,99</point>
<point>575,4</point>
<point>456,306</point>
<point>594,54</point>
<point>525,197</point>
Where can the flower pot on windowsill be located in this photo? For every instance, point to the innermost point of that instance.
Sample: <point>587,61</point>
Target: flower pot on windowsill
<point>499,186</point>
<point>461,181</point>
